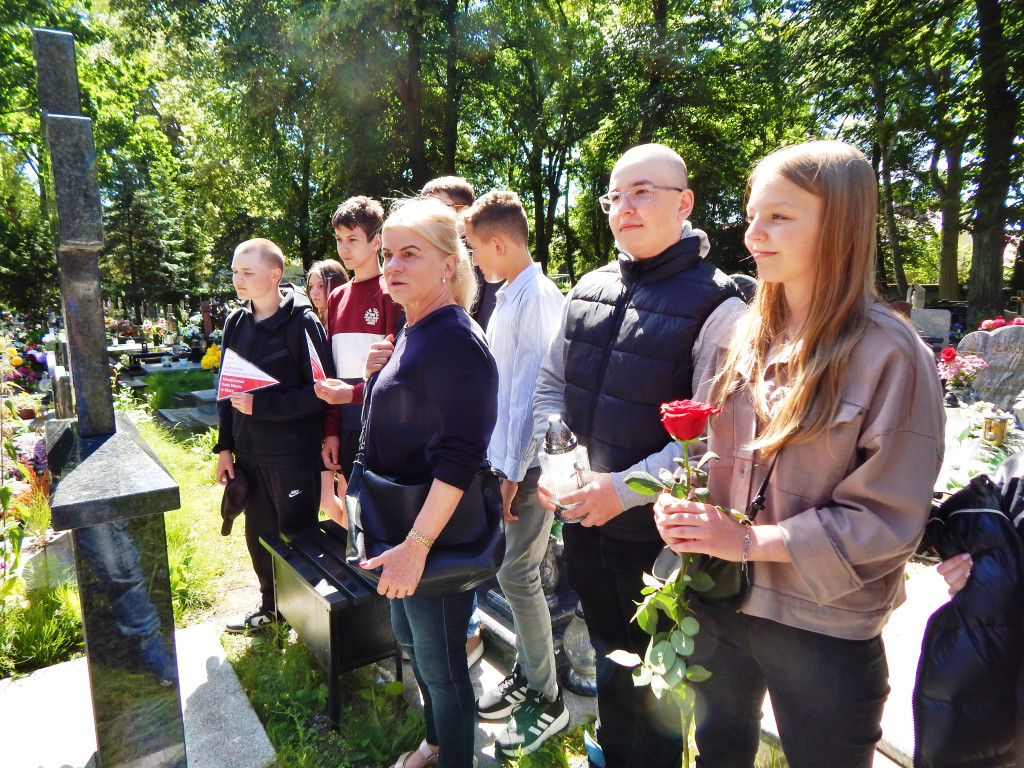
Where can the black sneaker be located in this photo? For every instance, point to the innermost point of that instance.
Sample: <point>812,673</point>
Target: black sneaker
<point>531,725</point>
<point>503,700</point>
<point>255,620</point>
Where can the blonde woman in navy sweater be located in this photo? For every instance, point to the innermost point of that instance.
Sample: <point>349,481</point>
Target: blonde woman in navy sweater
<point>431,414</point>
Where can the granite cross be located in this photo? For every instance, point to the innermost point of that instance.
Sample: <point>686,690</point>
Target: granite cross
<point>109,488</point>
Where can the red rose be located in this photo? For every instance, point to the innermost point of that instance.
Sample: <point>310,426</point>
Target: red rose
<point>685,419</point>
<point>949,354</point>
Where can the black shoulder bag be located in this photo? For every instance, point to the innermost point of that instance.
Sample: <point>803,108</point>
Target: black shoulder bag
<point>731,578</point>
<point>382,510</point>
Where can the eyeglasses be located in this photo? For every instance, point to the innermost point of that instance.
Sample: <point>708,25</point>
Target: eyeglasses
<point>637,196</point>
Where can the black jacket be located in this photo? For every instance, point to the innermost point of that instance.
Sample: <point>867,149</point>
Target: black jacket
<point>286,425</point>
<point>632,326</point>
<point>969,695</point>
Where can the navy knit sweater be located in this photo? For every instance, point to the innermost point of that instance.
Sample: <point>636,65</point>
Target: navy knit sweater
<point>433,406</point>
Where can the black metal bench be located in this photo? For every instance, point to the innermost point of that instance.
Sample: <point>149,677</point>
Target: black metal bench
<point>337,614</point>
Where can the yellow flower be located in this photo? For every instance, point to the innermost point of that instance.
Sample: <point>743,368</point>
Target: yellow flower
<point>211,360</point>
<point>16,361</point>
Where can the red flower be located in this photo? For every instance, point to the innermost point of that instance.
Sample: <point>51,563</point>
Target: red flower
<point>949,354</point>
<point>685,419</point>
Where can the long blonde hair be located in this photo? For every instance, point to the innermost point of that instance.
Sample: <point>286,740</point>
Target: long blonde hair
<point>843,291</point>
<point>437,223</point>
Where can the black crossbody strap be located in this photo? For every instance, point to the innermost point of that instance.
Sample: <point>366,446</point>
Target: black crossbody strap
<point>757,504</point>
<point>367,389</point>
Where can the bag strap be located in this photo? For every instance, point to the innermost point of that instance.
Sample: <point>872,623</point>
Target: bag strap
<point>757,503</point>
<point>367,390</point>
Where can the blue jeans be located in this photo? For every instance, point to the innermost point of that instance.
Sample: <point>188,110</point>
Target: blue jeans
<point>432,631</point>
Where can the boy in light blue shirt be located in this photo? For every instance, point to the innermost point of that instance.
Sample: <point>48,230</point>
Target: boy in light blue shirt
<point>527,314</point>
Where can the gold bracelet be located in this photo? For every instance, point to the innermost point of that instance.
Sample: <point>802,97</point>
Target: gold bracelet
<point>420,538</point>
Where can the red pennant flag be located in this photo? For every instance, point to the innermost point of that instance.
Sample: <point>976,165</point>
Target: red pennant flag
<point>239,375</point>
<point>314,361</point>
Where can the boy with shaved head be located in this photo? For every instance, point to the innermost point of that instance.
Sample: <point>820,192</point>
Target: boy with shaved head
<point>637,333</point>
<point>272,434</point>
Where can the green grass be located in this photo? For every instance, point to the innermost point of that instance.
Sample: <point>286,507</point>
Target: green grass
<point>199,559</point>
<point>288,691</point>
<point>557,751</point>
<point>161,387</point>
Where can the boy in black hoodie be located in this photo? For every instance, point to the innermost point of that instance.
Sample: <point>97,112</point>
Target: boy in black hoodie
<point>272,434</point>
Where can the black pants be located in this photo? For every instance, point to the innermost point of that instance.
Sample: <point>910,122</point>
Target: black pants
<point>827,693</point>
<point>281,499</point>
<point>634,729</point>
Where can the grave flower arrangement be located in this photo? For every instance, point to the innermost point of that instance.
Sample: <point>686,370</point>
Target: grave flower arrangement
<point>998,322</point>
<point>664,666</point>
<point>211,360</point>
<point>956,370</point>
<point>118,324</point>
<point>191,334</point>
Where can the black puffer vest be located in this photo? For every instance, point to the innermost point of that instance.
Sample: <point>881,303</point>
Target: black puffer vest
<point>969,692</point>
<point>632,326</point>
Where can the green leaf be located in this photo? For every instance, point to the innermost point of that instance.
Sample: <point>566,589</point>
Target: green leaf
<point>674,676</point>
<point>647,618</point>
<point>679,491</point>
<point>642,482</point>
<point>697,674</point>
<point>642,676</point>
<point>683,643</point>
<point>625,658</point>
<point>739,516</point>
<point>690,626</point>
<point>706,458</point>
<point>703,495</point>
<point>664,656</point>
<point>666,477</point>
<point>651,582</point>
<point>700,581</point>
<point>659,686</point>
<point>680,462</point>
<point>394,688</point>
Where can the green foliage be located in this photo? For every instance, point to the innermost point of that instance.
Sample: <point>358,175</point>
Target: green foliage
<point>48,631</point>
<point>218,121</point>
<point>556,751</point>
<point>288,692</point>
<point>162,387</point>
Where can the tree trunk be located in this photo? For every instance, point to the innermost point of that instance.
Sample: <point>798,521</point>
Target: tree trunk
<point>949,196</point>
<point>885,134</point>
<point>410,90</point>
<point>651,102</point>
<point>890,224</point>
<point>305,252</point>
<point>540,240</point>
<point>453,88</point>
<point>1001,111</point>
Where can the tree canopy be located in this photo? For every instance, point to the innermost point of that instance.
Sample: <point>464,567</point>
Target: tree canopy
<point>220,120</point>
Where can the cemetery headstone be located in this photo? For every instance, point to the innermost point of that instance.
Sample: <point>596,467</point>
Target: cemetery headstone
<point>932,324</point>
<point>1003,350</point>
<point>109,489</point>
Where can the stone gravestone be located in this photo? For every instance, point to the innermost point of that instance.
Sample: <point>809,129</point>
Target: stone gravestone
<point>932,324</point>
<point>109,489</point>
<point>1003,350</point>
